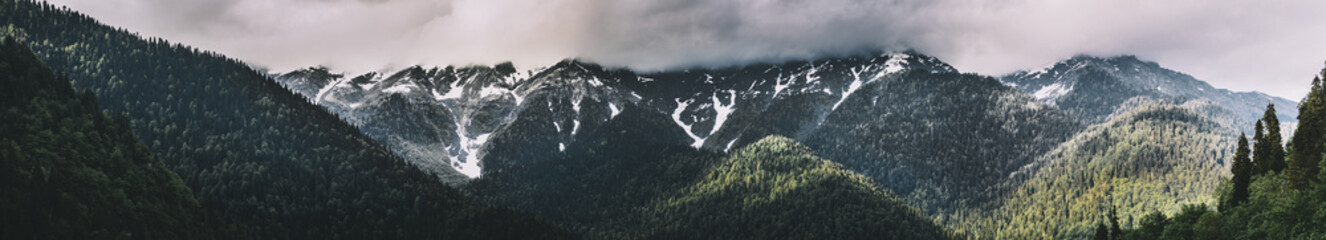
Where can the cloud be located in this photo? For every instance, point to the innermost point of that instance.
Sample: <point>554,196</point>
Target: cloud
<point>1273,46</point>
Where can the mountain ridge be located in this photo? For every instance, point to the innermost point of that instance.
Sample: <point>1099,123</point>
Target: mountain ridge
<point>1113,84</point>
<point>692,111</point>
<point>812,101</point>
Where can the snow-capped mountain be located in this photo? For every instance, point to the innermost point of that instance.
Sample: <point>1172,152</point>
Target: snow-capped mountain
<point>704,102</point>
<point>1095,88</point>
<point>904,119</point>
<point>438,117</point>
<point>444,118</point>
<point>939,138</point>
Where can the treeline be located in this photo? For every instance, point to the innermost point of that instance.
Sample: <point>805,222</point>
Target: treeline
<point>252,151</point>
<point>1275,192</point>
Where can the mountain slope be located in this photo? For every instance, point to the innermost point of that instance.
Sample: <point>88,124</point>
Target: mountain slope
<point>253,151</point>
<point>593,190</point>
<point>71,172</point>
<point>1094,88</point>
<point>943,141</point>
<point>640,179</point>
<point>1154,157</point>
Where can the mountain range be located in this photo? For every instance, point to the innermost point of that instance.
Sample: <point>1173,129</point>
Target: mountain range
<point>953,144</point>
<point>897,145</point>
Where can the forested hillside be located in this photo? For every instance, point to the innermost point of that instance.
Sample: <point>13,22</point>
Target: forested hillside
<point>1156,157</point>
<point>67,171</point>
<point>1262,199</point>
<point>944,141</point>
<point>251,150</point>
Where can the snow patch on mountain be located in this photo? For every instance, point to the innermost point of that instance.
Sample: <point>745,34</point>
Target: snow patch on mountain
<point>615,110</point>
<point>326,89</point>
<point>856,83</point>
<point>723,110</point>
<point>676,117</point>
<point>464,156</point>
<point>1052,92</point>
<point>405,88</point>
<point>896,63</point>
<point>780,84</point>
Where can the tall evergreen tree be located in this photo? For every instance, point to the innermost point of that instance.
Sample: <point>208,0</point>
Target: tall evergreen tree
<point>1242,169</point>
<point>1307,139</point>
<point>1260,149</point>
<point>1274,161</point>
<point>1115,231</point>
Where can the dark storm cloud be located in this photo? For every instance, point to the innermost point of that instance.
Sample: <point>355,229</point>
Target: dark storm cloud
<point>1272,46</point>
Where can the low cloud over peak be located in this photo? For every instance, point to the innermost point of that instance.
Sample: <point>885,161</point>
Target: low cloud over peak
<point>1272,46</point>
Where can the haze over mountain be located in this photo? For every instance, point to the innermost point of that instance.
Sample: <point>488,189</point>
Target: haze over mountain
<point>1241,45</point>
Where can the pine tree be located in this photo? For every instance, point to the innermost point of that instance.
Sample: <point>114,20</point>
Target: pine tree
<point>1275,148</point>
<point>1116,232</point>
<point>1242,170</point>
<point>1307,139</point>
<point>1102,232</point>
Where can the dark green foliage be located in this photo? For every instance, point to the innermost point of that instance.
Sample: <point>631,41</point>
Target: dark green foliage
<point>1115,230</point>
<point>67,171</point>
<point>1268,152</point>
<point>1102,232</point>
<point>1242,170</point>
<point>1308,139</point>
<point>1183,224</point>
<point>1150,226</point>
<point>595,190</point>
<point>253,151</point>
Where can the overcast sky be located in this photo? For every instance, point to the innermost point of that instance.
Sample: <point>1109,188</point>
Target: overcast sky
<point>1272,46</point>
